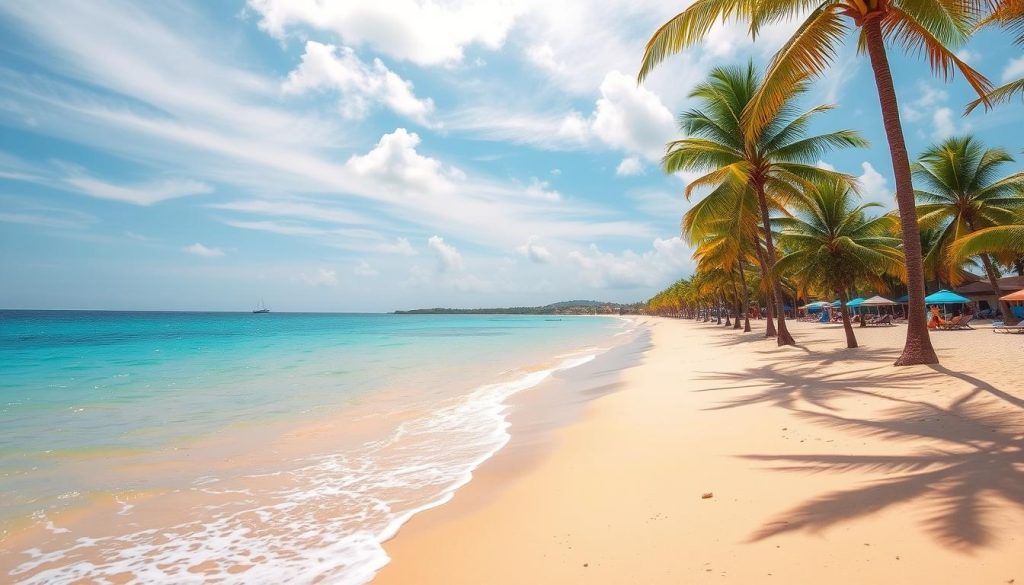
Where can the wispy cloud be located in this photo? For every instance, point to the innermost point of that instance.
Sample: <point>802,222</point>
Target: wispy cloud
<point>141,193</point>
<point>198,249</point>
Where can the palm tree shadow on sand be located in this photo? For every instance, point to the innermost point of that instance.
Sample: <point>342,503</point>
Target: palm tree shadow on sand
<point>972,468</point>
<point>978,467</point>
<point>800,380</point>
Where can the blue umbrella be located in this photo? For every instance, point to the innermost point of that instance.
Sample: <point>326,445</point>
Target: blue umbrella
<point>903,300</point>
<point>836,304</point>
<point>815,307</point>
<point>854,303</point>
<point>945,297</point>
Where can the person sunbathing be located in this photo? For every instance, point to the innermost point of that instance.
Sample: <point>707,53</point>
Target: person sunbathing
<point>936,320</point>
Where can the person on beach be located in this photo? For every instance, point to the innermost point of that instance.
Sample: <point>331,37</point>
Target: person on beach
<point>936,319</point>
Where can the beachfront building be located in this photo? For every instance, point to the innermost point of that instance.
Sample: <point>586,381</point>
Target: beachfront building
<point>981,295</point>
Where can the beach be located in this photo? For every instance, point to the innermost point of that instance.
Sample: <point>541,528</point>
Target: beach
<point>717,457</point>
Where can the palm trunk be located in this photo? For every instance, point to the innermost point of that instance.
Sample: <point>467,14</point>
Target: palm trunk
<point>719,309</point>
<point>851,339</point>
<point>746,299</point>
<point>770,329</point>
<point>735,300</point>
<point>1004,306</point>
<point>784,338</point>
<point>918,348</point>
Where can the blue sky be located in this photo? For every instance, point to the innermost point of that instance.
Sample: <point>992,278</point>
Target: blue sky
<point>369,156</point>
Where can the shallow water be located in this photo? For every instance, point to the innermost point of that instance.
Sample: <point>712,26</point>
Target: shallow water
<point>184,447</point>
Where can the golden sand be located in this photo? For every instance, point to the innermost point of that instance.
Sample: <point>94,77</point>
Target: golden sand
<point>825,465</point>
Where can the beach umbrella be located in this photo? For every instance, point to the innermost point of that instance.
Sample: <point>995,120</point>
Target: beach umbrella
<point>877,301</point>
<point>1017,296</point>
<point>903,300</point>
<point>855,302</point>
<point>816,307</point>
<point>946,297</point>
<point>836,304</point>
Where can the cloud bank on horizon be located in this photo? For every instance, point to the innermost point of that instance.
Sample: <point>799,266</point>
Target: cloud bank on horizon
<point>369,156</point>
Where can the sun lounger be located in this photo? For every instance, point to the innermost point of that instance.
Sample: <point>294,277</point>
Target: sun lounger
<point>1000,327</point>
<point>958,322</point>
<point>886,320</point>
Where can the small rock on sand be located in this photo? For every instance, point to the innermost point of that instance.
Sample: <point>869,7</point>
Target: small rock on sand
<point>707,495</point>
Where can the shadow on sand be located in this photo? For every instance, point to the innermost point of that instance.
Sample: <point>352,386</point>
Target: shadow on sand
<point>972,466</point>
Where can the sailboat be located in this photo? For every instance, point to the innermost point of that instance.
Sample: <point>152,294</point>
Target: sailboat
<point>262,308</point>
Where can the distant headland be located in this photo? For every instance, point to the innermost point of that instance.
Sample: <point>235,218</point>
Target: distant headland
<point>561,308</point>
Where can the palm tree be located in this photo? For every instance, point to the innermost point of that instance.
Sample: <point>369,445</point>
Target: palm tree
<point>960,195</point>
<point>935,29</point>
<point>832,243</point>
<point>774,163</point>
<point>1008,14</point>
<point>725,238</point>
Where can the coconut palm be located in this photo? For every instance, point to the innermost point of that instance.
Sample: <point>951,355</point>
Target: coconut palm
<point>960,194</point>
<point>932,28</point>
<point>831,242</point>
<point>774,164</point>
<point>725,239</point>
<point>1008,14</point>
<point>721,245</point>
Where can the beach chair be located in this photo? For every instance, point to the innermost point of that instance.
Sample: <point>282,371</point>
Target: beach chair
<point>1000,327</point>
<point>886,320</point>
<point>952,323</point>
<point>964,323</point>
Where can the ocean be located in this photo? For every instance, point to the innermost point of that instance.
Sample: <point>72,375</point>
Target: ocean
<point>239,447</point>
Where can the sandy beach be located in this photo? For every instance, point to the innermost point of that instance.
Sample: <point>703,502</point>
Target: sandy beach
<point>823,465</point>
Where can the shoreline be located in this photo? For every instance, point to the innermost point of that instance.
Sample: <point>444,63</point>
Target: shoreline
<point>821,462</point>
<point>241,482</point>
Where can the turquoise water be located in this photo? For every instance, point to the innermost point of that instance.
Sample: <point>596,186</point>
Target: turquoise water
<point>83,390</point>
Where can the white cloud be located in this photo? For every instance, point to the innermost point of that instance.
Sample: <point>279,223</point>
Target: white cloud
<point>278,227</point>
<point>968,56</point>
<point>824,165</point>
<point>632,118</point>
<point>930,110</point>
<point>395,162</point>
<point>363,268</point>
<point>323,277</point>
<point>138,194</point>
<point>398,246</point>
<point>943,124</point>
<point>426,33</point>
<point>201,250</point>
<point>874,186</point>
<point>537,253</point>
<point>928,99</point>
<point>294,209</point>
<point>1014,69</point>
<point>448,258</point>
<point>626,117</point>
<point>362,86</point>
<point>538,189</point>
<point>667,259</point>
<point>630,166</point>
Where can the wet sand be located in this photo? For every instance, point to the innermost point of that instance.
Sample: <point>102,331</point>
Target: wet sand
<point>824,465</point>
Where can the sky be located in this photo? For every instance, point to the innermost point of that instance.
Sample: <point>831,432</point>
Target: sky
<point>369,156</point>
